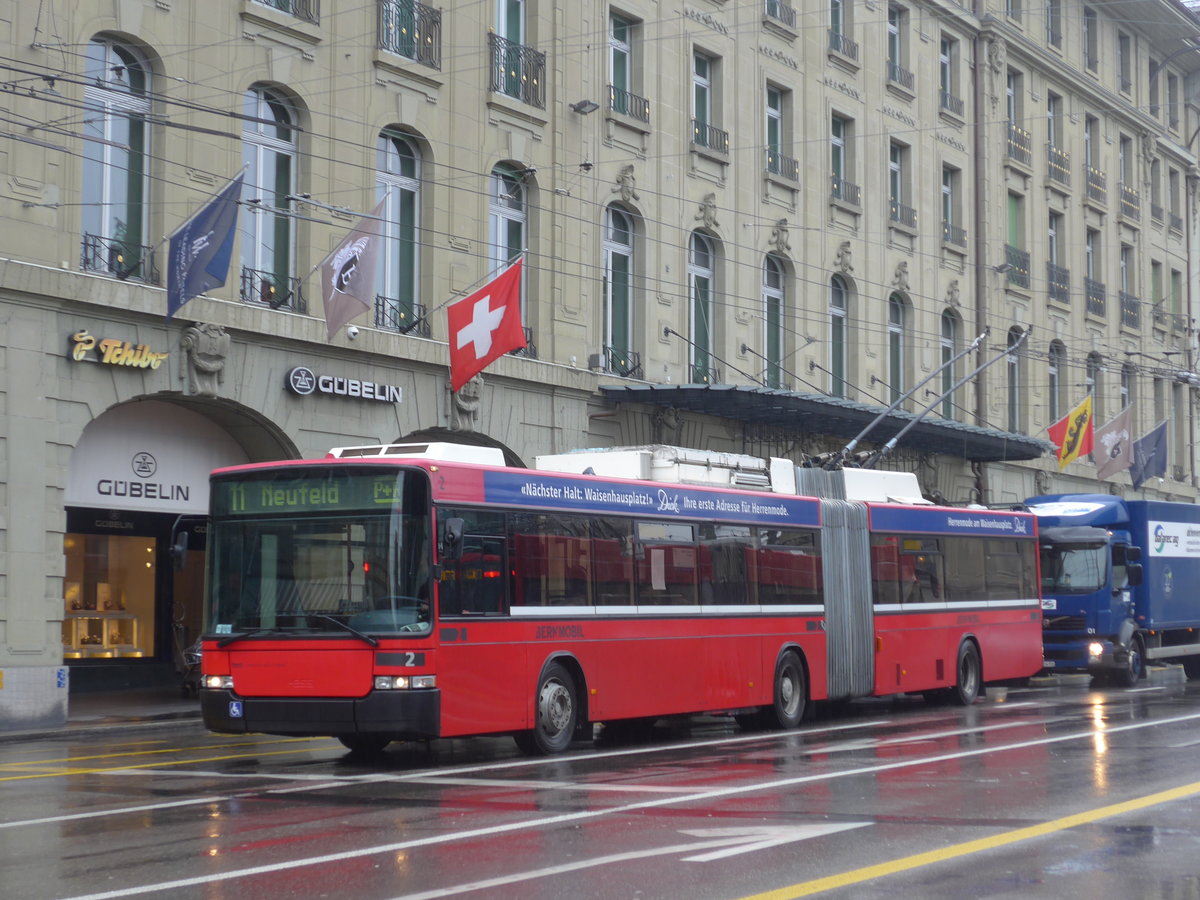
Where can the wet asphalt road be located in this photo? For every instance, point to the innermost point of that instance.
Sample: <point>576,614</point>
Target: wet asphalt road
<point>1053,792</point>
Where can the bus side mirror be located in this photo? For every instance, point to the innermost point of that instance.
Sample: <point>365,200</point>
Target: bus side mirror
<point>1133,574</point>
<point>179,551</point>
<point>452,539</point>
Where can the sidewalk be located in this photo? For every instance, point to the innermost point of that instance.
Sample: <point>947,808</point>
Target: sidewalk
<point>108,711</point>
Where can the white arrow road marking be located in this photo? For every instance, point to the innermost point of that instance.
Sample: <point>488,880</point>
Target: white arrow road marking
<point>743,840</point>
<point>747,840</point>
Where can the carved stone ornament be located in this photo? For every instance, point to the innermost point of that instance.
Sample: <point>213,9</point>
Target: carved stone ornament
<point>626,186</point>
<point>464,404</point>
<point>952,293</point>
<point>779,238</point>
<point>900,279</point>
<point>203,350</point>
<point>708,211</point>
<point>844,262</point>
<point>997,56</point>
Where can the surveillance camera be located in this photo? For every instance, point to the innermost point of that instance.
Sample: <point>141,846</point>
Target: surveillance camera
<point>352,332</point>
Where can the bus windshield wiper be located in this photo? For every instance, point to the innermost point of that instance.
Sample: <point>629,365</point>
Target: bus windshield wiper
<point>347,627</point>
<point>229,639</point>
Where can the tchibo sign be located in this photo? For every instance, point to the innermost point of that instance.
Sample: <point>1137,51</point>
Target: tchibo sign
<point>303,381</point>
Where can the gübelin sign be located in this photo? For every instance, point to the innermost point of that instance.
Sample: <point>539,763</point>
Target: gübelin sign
<point>114,352</point>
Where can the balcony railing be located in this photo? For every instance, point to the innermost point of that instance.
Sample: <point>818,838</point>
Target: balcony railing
<point>1020,145</point>
<point>846,191</point>
<point>1058,283</point>
<point>1058,165</point>
<point>308,10</point>
<point>622,362</point>
<point>709,136</point>
<point>628,104</point>
<point>1131,202</point>
<point>1156,212</point>
<point>402,316</point>
<point>517,71</point>
<point>1158,315</point>
<point>529,351</point>
<point>897,74</point>
<point>954,234</point>
<point>1097,186</point>
<point>840,43</point>
<point>951,104</point>
<point>783,166</point>
<point>1175,221</point>
<point>781,12</point>
<point>901,214</point>
<point>1094,293</point>
<point>276,291</point>
<point>1017,261</point>
<point>703,375</point>
<point>412,30</point>
<point>1131,310</point>
<point>125,261</point>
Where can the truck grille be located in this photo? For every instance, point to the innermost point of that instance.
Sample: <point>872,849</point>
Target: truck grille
<point>1064,623</point>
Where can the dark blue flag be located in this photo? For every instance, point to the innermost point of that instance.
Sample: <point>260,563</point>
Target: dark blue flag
<point>198,258</point>
<point>1149,456</point>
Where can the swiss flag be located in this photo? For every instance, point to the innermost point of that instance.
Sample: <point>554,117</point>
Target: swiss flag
<point>485,325</point>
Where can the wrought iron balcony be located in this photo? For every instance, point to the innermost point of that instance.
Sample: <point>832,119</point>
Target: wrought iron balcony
<point>898,75</point>
<point>705,135</point>
<point>1097,186</point>
<point>1058,165</point>
<point>401,316</point>
<point>125,261</point>
<point>1094,292</point>
<point>1018,265</point>
<point>1058,283</point>
<point>845,191</point>
<point>840,43</point>
<point>783,166</point>
<point>1020,145</point>
<point>627,104</point>
<point>620,361</point>
<point>703,375</point>
<point>1131,310</point>
<point>951,104</point>
<point>954,234</point>
<point>307,10</point>
<point>412,30</point>
<point>529,351</point>
<point>276,291</point>
<point>1131,202</point>
<point>517,71</point>
<point>901,214</point>
<point>781,12</point>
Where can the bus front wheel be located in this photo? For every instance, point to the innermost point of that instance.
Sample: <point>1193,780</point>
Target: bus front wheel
<point>556,714</point>
<point>790,693</point>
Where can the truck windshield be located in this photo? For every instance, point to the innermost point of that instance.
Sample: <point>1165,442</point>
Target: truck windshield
<point>315,550</point>
<point>1073,568</point>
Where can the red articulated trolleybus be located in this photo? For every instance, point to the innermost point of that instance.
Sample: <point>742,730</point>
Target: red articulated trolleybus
<point>426,591</point>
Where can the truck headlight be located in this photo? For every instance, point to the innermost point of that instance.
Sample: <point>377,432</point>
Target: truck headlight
<point>1095,650</point>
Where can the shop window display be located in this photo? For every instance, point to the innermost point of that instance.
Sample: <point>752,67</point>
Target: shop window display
<point>109,593</point>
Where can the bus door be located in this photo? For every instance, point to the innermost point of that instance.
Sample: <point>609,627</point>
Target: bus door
<point>849,617</point>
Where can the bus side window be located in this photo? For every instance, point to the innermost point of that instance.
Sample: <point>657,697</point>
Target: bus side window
<point>476,582</point>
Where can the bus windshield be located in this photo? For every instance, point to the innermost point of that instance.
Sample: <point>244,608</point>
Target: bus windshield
<point>1073,568</point>
<point>316,550</point>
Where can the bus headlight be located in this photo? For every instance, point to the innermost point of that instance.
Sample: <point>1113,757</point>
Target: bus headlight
<point>404,682</point>
<point>218,682</point>
<point>1095,650</point>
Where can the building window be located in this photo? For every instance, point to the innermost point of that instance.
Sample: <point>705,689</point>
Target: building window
<point>1012,97</point>
<point>952,232</point>
<point>517,70</point>
<point>1091,253</point>
<point>618,291</point>
<point>1091,142</point>
<point>1125,62</point>
<point>897,48</point>
<point>1056,367</point>
<point>701,269</point>
<point>840,21</point>
<point>507,219</point>
<point>1094,383</point>
<point>115,157</point>
<point>773,319</point>
<point>1054,34</point>
<point>1152,87</point>
<point>1172,102</point>
<point>1012,9</point>
<point>839,335</point>
<point>900,212</point>
<point>1014,361</point>
<point>949,98</point>
<point>622,86</point>
<point>841,160</point>
<point>1054,114</point>
<point>1091,39</point>
<point>268,237</point>
<point>397,181</point>
<point>705,133</point>
<point>897,340</point>
<point>1128,388</point>
<point>949,350</point>
<point>778,134</point>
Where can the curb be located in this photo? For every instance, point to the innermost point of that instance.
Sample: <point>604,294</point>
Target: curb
<point>106,725</point>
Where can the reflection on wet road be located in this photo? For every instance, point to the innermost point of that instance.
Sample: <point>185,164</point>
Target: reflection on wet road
<point>1039,793</point>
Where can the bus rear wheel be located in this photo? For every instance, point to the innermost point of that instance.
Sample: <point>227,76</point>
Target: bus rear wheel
<point>970,675</point>
<point>556,715</point>
<point>364,744</point>
<point>790,693</point>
